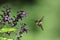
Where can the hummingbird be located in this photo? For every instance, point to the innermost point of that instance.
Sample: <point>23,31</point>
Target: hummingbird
<point>39,22</point>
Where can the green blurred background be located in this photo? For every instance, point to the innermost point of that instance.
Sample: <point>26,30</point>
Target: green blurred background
<point>50,9</point>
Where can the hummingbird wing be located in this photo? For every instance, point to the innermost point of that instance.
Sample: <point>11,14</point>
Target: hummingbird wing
<point>36,20</point>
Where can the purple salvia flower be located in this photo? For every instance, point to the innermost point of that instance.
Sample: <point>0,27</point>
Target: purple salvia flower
<point>6,18</point>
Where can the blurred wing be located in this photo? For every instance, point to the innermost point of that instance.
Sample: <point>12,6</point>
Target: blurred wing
<point>36,20</point>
